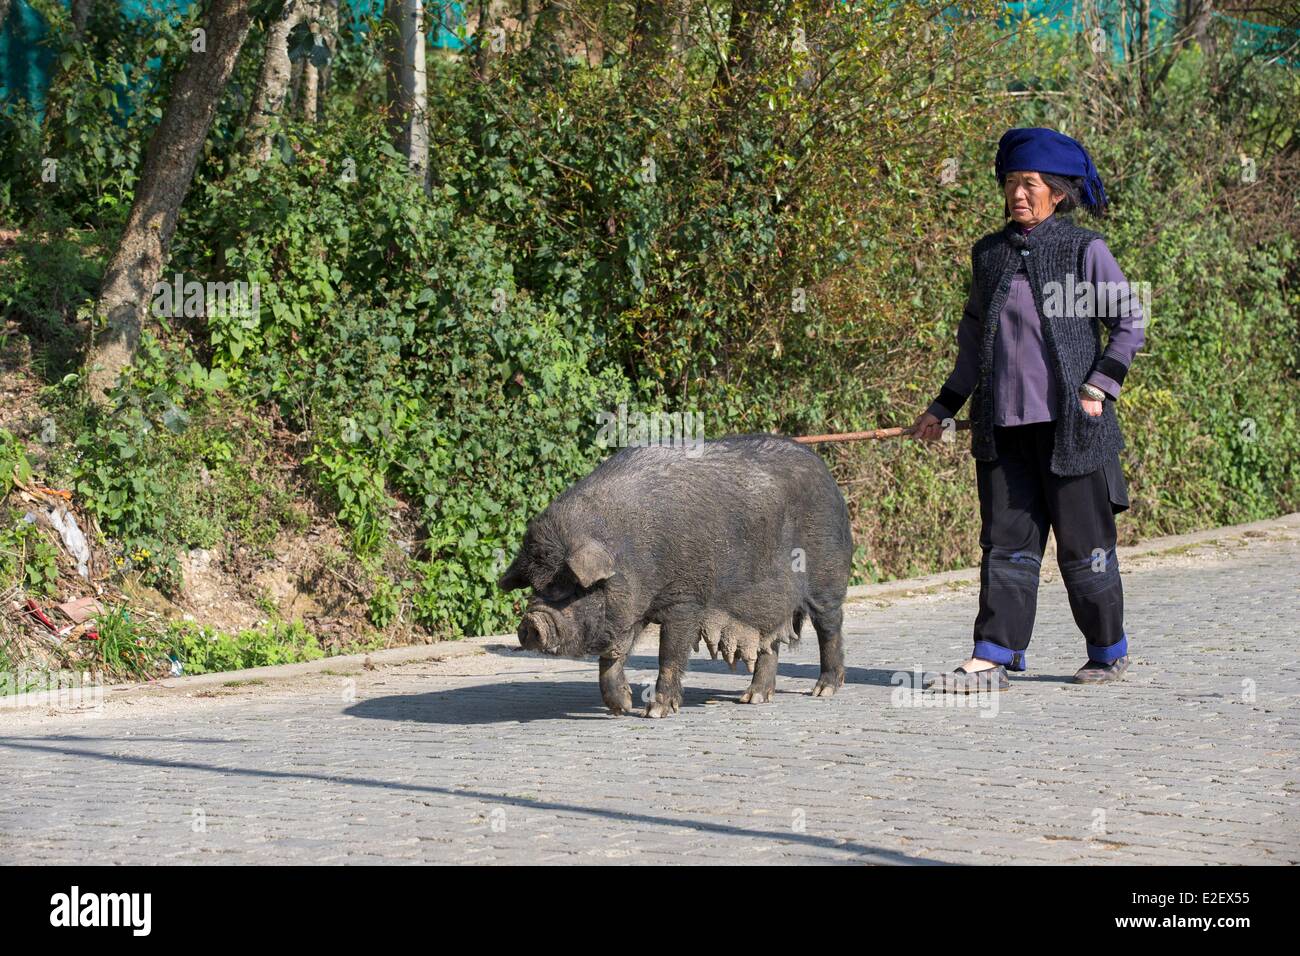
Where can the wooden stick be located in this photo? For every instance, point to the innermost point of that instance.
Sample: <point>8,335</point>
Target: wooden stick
<point>873,435</point>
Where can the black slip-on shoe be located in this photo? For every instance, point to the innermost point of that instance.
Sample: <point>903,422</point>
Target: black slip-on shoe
<point>1094,672</point>
<point>961,681</point>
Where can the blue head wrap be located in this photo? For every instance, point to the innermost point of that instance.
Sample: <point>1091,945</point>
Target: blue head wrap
<point>1037,149</point>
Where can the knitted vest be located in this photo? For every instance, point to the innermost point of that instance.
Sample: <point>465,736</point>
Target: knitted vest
<point>1051,251</point>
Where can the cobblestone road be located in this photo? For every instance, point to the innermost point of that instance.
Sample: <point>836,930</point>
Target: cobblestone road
<point>505,757</point>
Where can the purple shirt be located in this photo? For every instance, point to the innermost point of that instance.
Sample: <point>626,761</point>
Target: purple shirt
<point>1024,388</point>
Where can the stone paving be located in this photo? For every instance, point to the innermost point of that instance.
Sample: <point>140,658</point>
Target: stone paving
<point>506,757</point>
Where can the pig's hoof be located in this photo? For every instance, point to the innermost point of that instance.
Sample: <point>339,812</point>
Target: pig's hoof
<point>828,684</point>
<point>620,705</point>
<point>757,695</point>
<point>659,708</point>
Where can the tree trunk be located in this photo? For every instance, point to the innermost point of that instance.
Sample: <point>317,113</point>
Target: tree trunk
<point>310,73</point>
<point>165,177</point>
<point>644,23</point>
<point>418,157</point>
<point>408,121</point>
<point>1144,45</point>
<point>741,30</point>
<point>272,82</point>
<point>483,39</point>
<point>1200,16</point>
<point>659,28</point>
<point>295,85</point>
<point>1194,26</point>
<point>330,30</point>
<point>80,16</point>
<point>395,75</point>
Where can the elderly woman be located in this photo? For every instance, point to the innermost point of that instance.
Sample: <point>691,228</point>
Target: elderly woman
<point>1044,432</point>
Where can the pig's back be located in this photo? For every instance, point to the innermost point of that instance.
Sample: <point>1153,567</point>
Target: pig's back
<point>756,466</point>
<point>763,490</point>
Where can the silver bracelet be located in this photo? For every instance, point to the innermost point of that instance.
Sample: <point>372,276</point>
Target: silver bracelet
<point>1093,392</point>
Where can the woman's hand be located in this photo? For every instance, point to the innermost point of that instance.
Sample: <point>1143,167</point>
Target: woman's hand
<point>927,427</point>
<point>1091,406</point>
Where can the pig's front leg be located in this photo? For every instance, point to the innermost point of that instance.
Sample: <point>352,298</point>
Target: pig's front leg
<point>614,690</point>
<point>676,638</point>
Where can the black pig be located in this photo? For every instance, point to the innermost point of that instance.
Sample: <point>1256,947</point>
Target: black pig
<point>732,541</point>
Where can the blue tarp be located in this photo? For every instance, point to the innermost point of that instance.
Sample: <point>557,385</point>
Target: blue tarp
<point>25,62</point>
<point>1067,16</point>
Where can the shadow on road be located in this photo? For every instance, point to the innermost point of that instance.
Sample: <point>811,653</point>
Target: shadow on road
<point>864,853</point>
<point>555,699</point>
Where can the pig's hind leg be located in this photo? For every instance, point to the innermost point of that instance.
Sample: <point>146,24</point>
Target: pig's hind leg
<point>830,642</point>
<point>763,684</point>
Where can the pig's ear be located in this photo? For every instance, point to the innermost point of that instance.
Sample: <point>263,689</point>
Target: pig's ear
<point>514,578</point>
<point>590,562</point>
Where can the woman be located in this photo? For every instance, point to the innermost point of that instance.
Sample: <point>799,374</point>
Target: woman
<point>1044,432</point>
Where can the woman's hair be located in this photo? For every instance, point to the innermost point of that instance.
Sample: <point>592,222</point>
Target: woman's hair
<point>1072,186</point>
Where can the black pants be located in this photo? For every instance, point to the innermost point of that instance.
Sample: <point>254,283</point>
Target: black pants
<point>1019,498</point>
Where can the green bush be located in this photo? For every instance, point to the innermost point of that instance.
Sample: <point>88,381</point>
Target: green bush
<point>27,559</point>
<point>176,464</point>
<point>202,650</point>
<point>424,375</point>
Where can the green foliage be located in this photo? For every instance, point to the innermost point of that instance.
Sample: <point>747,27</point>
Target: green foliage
<point>304,44</point>
<point>108,92</point>
<point>176,464</point>
<point>15,469</point>
<point>427,379</point>
<point>47,276</point>
<point>132,646</point>
<point>27,558</point>
<point>203,650</point>
<point>385,603</point>
<point>125,644</point>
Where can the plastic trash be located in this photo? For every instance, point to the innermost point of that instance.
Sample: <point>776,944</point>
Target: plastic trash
<point>178,669</point>
<point>80,609</point>
<point>41,616</point>
<point>73,539</point>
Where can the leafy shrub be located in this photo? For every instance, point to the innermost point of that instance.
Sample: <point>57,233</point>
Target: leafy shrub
<point>425,377</point>
<point>203,650</point>
<point>27,558</point>
<point>176,464</point>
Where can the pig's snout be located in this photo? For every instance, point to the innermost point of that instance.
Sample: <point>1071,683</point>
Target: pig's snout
<point>537,633</point>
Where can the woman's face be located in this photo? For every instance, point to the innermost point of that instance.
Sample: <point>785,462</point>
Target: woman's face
<point>1029,198</point>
